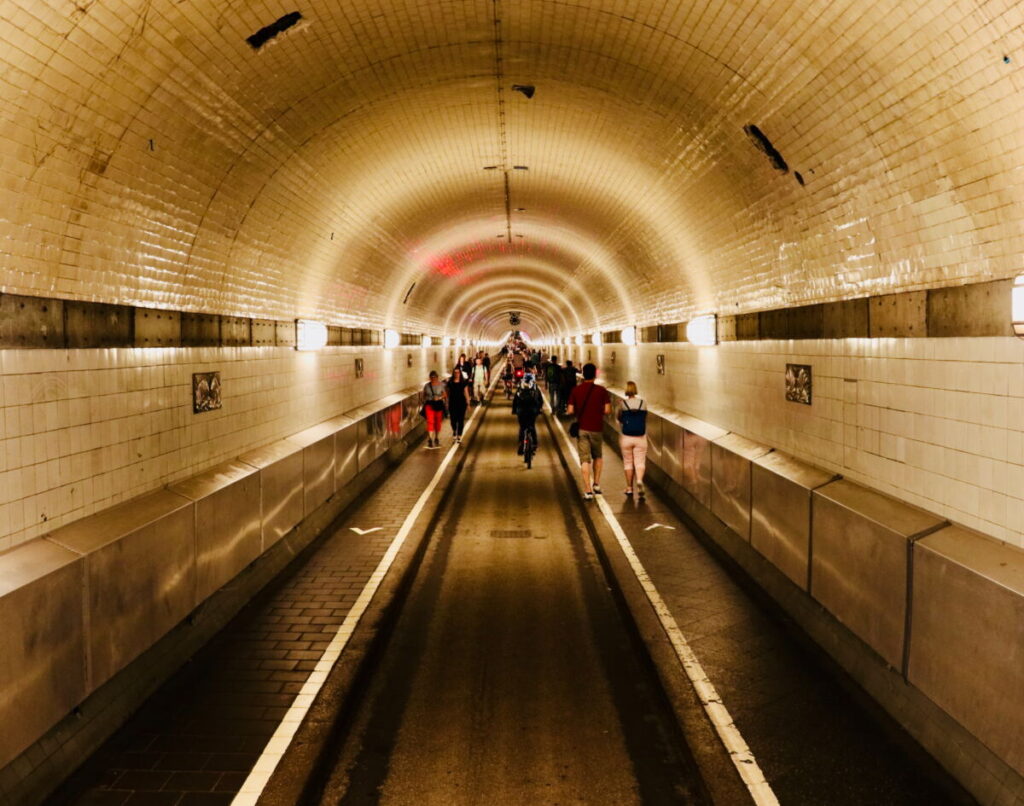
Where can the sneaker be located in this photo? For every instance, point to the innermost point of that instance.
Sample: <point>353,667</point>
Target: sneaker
<point>597,489</point>
<point>628,491</point>
<point>588,496</point>
<point>640,489</point>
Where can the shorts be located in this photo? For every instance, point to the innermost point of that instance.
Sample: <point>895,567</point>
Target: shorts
<point>588,445</point>
<point>634,453</point>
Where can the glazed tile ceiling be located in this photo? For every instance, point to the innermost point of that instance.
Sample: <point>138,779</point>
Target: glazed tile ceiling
<point>373,165</point>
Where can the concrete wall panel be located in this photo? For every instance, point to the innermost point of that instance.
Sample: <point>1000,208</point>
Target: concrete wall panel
<point>317,464</point>
<point>281,488</point>
<point>228,522</point>
<point>141,574</point>
<point>42,641</point>
<point>859,562</point>
<point>780,526</point>
<point>967,635</point>
<point>730,480</point>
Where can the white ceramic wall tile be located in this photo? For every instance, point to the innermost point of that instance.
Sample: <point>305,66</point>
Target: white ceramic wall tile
<point>935,425</point>
<point>108,427</point>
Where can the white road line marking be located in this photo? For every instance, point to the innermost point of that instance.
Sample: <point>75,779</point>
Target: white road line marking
<point>274,751</point>
<point>747,766</point>
<point>359,531</point>
<point>659,526</point>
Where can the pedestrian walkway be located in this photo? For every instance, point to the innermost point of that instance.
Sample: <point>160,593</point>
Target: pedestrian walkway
<point>814,743</point>
<point>194,743</point>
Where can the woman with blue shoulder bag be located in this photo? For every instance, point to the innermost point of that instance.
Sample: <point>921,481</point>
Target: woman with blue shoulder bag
<point>633,441</point>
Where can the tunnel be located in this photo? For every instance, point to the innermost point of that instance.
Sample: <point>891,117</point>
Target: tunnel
<point>237,237</point>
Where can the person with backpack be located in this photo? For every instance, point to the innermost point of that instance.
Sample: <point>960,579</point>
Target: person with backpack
<point>589,403</point>
<point>481,377</point>
<point>633,441</point>
<point>527,405</point>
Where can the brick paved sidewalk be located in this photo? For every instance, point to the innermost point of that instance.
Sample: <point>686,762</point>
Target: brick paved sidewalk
<point>814,743</point>
<point>195,741</point>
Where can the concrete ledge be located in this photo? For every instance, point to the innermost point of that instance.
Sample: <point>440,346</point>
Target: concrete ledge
<point>281,490</point>
<point>143,566</point>
<point>731,457</point>
<point>227,522</point>
<point>965,649</point>
<point>140,577</point>
<point>860,569</point>
<point>968,604</point>
<point>42,643</point>
<point>780,520</point>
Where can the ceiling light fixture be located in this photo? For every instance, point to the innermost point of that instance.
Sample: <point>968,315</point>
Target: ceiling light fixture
<point>629,335</point>
<point>391,338</point>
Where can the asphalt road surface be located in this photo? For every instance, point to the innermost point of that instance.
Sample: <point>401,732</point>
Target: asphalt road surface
<point>510,677</point>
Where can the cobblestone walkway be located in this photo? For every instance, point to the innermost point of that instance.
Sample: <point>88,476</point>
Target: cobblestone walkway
<point>195,741</point>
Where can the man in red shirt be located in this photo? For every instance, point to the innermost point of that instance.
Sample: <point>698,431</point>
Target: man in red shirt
<point>590,403</point>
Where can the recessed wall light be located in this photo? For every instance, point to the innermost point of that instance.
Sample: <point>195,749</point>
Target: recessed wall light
<point>310,335</point>
<point>703,330</point>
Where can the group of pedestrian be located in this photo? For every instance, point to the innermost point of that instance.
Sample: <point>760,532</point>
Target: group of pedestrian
<point>590,403</point>
<point>466,386</point>
<point>586,401</point>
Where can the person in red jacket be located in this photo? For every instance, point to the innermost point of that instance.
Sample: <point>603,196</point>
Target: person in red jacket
<point>590,403</point>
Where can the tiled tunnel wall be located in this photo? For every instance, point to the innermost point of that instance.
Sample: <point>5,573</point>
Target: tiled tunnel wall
<point>935,422</point>
<point>85,429</point>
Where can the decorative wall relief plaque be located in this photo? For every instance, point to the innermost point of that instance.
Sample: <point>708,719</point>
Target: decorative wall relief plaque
<point>408,359</point>
<point>205,391</point>
<point>613,357</point>
<point>661,364</point>
<point>798,383</point>
<point>359,368</point>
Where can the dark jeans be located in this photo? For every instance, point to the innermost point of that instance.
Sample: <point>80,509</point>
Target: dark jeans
<point>458,418</point>
<point>553,394</point>
<point>527,423</point>
<point>563,397</point>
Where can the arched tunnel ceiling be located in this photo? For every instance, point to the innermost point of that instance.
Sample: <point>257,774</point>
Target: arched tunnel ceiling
<point>362,166</point>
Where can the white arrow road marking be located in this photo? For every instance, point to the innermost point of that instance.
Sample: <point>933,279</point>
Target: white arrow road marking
<point>659,526</point>
<point>359,531</point>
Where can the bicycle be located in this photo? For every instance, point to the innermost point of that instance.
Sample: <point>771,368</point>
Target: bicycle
<point>529,446</point>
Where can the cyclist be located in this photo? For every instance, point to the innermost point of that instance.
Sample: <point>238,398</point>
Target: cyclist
<point>508,378</point>
<point>526,405</point>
